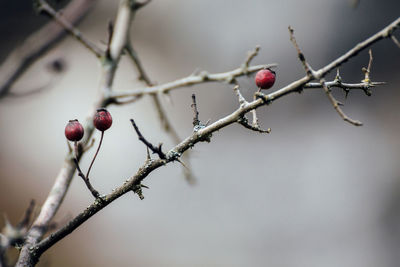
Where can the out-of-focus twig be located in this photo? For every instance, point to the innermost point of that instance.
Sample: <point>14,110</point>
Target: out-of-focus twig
<point>38,43</point>
<point>162,115</point>
<point>43,6</point>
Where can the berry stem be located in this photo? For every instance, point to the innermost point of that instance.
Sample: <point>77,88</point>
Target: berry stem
<point>76,149</point>
<point>95,155</point>
<point>94,192</point>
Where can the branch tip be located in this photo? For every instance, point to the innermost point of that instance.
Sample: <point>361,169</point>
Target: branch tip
<point>309,71</point>
<point>155,150</point>
<point>336,105</point>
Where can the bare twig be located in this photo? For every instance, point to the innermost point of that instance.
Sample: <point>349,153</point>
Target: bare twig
<point>242,100</point>
<point>162,115</point>
<point>202,77</point>
<point>250,55</point>
<point>367,71</point>
<point>245,123</point>
<point>306,66</point>
<point>94,192</point>
<point>43,6</point>
<point>26,219</point>
<point>352,86</point>
<point>135,59</point>
<point>33,250</point>
<point>395,40</point>
<point>243,120</point>
<point>196,121</point>
<point>384,33</point>
<point>336,105</point>
<point>190,141</point>
<point>95,155</point>
<point>311,74</point>
<point>38,44</point>
<point>156,150</point>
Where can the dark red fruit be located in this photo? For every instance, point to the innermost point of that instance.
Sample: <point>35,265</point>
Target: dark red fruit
<point>265,79</point>
<point>74,130</point>
<point>102,120</point>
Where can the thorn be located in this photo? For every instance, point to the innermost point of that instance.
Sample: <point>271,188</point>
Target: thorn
<point>346,92</point>
<point>148,153</point>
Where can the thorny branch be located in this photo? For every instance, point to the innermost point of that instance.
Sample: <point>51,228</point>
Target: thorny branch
<point>313,75</point>
<point>300,54</point>
<point>34,248</point>
<point>157,150</point>
<point>197,136</point>
<point>243,120</point>
<point>336,105</point>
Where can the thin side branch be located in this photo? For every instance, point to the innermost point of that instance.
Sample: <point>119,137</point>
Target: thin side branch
<point>367,71</point>
<point>300,54</point>
<point>43,6</point>
<point>202,77</point>
<point>156,150</point>
<point>336,105</point>
<point>250,55</point>
<point>241,99</point>
<point>311,75</point>
<point>94,192</point>
<point>162,115</point>
<point>138,64</point>
<point>245,123</point>
<point>26,219</point>
<point>196,121</point>
<point>338,84</point>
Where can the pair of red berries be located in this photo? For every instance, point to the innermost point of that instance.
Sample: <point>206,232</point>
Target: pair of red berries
<point>102,120</point>
<point>265,78</point>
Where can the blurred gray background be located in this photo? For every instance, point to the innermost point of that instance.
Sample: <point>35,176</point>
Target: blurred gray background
<point>315,192</point>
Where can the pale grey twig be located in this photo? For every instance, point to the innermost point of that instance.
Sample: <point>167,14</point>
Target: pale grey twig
<point>43,6</point>
<point>337,104</point>
<point>201,77</point>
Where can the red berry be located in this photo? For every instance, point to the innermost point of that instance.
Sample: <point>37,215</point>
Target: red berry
<point>265,79</point>
<point>74,130</point>
<point>102,120</point>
